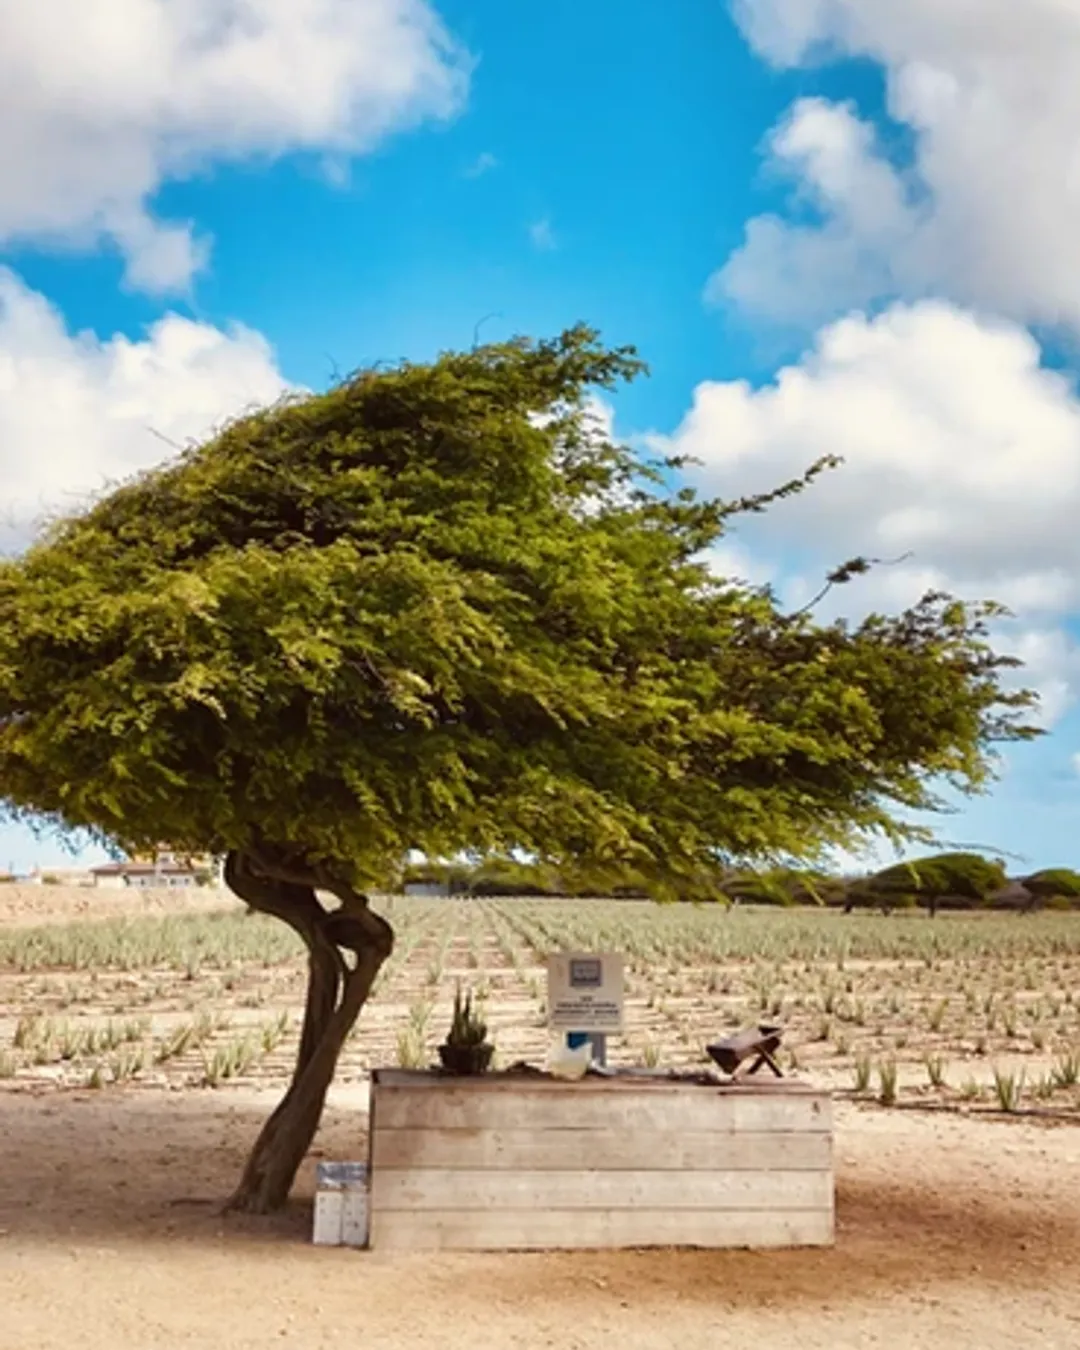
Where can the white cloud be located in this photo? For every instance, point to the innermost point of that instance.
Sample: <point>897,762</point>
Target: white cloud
<point>864,249</point>
<point>732,559</point>
<point>600,417</point>
<point>988,211</point>
<point>542,235</point>
<point>959,444</point>
<point>1052,667</point>
<point>484,163</point>
<point>959,447</point>
<point>101,104</point>
<point>77,412</point>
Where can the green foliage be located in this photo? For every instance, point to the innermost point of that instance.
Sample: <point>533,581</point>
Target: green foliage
<point>504,876</point>
<point>1008,1088</point>
<point>887,1082</point>
<point>173,942</point>
<point>756,888</point>
<point>926,881</point>
<point>435,608</point>
<point>781,886</point>
<point>1066,1071</point>
<point>1053,881</point>
<point>467,1028</point>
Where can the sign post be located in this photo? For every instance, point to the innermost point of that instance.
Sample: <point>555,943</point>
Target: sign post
<point>585,998</point>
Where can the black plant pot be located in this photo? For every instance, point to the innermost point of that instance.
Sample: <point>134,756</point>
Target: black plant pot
<point>466,1059</point>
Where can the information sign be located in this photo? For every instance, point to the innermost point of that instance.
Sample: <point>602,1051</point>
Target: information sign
<point>585,991</point>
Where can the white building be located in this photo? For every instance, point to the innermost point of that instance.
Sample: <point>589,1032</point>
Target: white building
<point>428,889</point>
<point>165,869</point>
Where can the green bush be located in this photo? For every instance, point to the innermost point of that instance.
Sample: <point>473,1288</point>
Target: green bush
<point>424,874</point>
<point>928,900</point>
<point>757,888</point>
<point>1053,881</point>
<point>783,886</point>
<point>952,876</point>
<point>860,895</point>
<point>815,888</point>
<point>506,877</point>
<point>835,896</point>
<point>510,878</point>
<point>1014,901</point>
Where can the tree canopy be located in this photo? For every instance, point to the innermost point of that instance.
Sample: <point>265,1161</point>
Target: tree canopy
<point>960,874</point>
<point>944,880</point>
<point>1053,883</point>
<point>436,608</point>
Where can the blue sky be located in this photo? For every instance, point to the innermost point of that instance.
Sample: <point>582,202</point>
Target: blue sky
<point>797,189</point>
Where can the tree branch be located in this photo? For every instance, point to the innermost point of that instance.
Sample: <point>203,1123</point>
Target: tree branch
<point>854,567</point>
<point>354,926</point>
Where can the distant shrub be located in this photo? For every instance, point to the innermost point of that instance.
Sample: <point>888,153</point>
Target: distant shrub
<point>757,888</point>
<point>815,888</point>
<point>613,882</point>
<point>1053,881</point>
<point>961,874</point>
<point>509,878</point>
<point>423,875</point>
<point>860,895</point>
<point>617,892</point>
<point>945,880</point>
<point>506,877</point>
<point>954,901</point>
<point>835,896</point>
<point>782,886</point>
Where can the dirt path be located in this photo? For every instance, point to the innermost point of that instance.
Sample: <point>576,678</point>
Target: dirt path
<point>952,1232</point>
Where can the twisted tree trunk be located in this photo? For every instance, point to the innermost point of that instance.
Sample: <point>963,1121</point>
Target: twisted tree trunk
<point>272,881</point>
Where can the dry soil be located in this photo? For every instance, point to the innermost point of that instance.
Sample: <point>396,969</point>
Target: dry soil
<point>953,1231</point>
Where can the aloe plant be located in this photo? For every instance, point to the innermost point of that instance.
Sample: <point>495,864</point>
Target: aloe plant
<point>467,1028</point>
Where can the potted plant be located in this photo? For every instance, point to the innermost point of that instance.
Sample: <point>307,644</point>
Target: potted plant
<point>466,1049</point>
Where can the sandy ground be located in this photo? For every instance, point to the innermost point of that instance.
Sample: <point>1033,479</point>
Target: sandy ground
<point>952,1231</point>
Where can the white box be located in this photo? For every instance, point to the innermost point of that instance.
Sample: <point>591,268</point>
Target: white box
<point>341,1205</point>
<point>329,1213</point>
<point>354,1217</point>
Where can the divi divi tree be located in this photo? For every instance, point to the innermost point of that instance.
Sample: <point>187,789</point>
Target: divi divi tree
<point>435,608</point>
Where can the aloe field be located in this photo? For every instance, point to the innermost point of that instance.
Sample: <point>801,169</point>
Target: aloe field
<point>976,1012</point>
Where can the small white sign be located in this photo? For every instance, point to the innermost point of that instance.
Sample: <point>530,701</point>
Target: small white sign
<point>585,991</point>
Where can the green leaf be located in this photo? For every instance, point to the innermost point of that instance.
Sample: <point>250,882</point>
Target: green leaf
<point>432,608</point>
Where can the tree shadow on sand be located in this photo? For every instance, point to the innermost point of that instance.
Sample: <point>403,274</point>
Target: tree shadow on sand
<point>154,1168</point>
